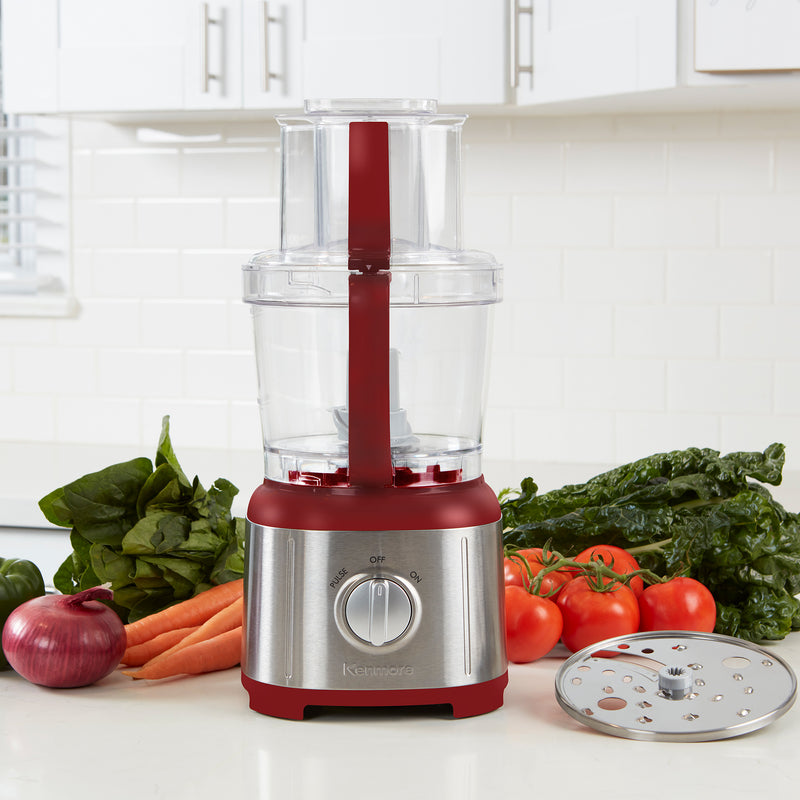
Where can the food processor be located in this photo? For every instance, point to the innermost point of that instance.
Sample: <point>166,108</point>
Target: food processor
<point>373,571</point>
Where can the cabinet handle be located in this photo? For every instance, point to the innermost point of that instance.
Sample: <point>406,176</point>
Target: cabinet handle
<point>266,74</point>
<point>205,76</point>
<point>518,69</point>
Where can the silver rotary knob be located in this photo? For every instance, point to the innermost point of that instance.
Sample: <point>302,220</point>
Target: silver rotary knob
<point>378,610</point>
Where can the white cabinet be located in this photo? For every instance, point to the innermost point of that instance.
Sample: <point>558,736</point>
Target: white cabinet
<point>271,53</point>
<point>443,49</point>
<point>576,49</point>
<point>112,56</point>
<point>109,56</point>
<point>746,35</point>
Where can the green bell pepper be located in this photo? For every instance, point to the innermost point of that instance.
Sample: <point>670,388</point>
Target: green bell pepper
<point>20,581</point>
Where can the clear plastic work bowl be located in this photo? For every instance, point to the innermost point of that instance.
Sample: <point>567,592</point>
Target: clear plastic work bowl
<point>440,301</point>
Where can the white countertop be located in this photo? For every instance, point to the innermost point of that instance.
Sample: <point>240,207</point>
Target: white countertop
<point>195,737</point>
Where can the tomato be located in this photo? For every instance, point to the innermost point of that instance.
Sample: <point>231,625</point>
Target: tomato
<point>680,604</point>
<point>621,561</point>
<point>533,625</point>
<point>590,615</point>
<point>515,573</point>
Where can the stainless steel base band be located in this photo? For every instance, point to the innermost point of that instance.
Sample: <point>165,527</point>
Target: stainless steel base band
<point>323,608</point>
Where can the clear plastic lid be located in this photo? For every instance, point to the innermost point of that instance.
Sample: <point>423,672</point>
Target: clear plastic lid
<point>424,175</point>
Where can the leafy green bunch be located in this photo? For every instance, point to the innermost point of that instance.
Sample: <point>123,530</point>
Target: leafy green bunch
<point>687,512</point>
<point>156,537</point>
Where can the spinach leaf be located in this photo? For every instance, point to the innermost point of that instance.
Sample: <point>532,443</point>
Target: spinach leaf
<point>155,536</point>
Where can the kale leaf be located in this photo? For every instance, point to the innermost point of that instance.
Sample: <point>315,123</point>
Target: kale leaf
<point>686,512</point>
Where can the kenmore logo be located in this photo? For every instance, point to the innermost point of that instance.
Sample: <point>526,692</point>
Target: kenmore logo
<point>382,671</point>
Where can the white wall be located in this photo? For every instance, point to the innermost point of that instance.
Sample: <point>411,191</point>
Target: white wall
<point>652,292</point>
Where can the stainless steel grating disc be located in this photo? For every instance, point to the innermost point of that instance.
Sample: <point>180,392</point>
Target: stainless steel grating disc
<point>675,686</point>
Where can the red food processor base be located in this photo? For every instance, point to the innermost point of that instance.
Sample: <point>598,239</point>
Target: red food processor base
<point>291,703</point>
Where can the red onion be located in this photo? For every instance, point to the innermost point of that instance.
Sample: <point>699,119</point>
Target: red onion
<point>64,641</point>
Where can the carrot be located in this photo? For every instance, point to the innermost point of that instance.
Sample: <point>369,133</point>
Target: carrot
<point>188,613</point>
<point>230,617</point>
<point>140,654</point>
<point>220,652</point>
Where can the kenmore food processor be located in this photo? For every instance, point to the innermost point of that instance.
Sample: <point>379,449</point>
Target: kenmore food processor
<point>373,556</point>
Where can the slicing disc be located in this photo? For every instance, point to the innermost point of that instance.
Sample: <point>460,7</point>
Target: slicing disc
<point>675,686</point>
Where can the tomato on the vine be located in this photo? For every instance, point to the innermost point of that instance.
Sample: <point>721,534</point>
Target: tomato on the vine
<point>679,604</point>
<point>515,573</point>
<point>591,615</point>
<point>621,561</point>
<point>533,625</point>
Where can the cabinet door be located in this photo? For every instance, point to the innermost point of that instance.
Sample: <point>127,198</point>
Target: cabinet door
<point>272,47</point>
<point>212,53</point>
<point>582,48</point>
<point>30,65</point>
<point>736,36</point>
<point>145,56</point>
<point>116,57</point>
<point>441,49</point>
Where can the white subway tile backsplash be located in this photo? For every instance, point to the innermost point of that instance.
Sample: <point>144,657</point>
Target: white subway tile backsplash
<point>640,434</point>
<point>245,424</point>
<point>563,330</point>
<point>27,418</point>
<point>593,127</point>
<point>766,332</point>
<point>668,127</point>
<point>595,167</point>
<point>252,224</point>
<point>184,324</point>
<point>49,368</point>
<point>103,223</point>
<point>614,276</point>
<point>229,171</point>
<point>615,384</point>
<point>757,431</point>
<point>787,277</point>
<point>652,287</point>
<point>498,434</point>
<point>760,220</point>
<point>787,165</point>
<point>140,172</point>
<point>98,420</point>
<point>719,276</point>
<point>487,219</point>
<point>240,326</point>
<point>6,381</point>
<point>539,380</point>
<point>26,330</point>
<point>136,273</point>
<point>787,386</point>
<point>665,221</point>
<point>212,273</point>
<point>183,222</point>
<point>666,331</point>
<point>561,436</point>
<point>109,322</point>
<point>143,372</point>
<point>534,274</point>
<point>220,375</point>
<point>562,221</point>
<point>734,166</point>
<point>193,423</point>
<point>723,387</point>
<point>515,168</point>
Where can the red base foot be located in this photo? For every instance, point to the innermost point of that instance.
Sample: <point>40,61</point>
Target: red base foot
<point>290,703</point>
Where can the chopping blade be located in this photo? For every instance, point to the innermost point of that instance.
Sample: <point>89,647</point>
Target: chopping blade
<point>675,686</point>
